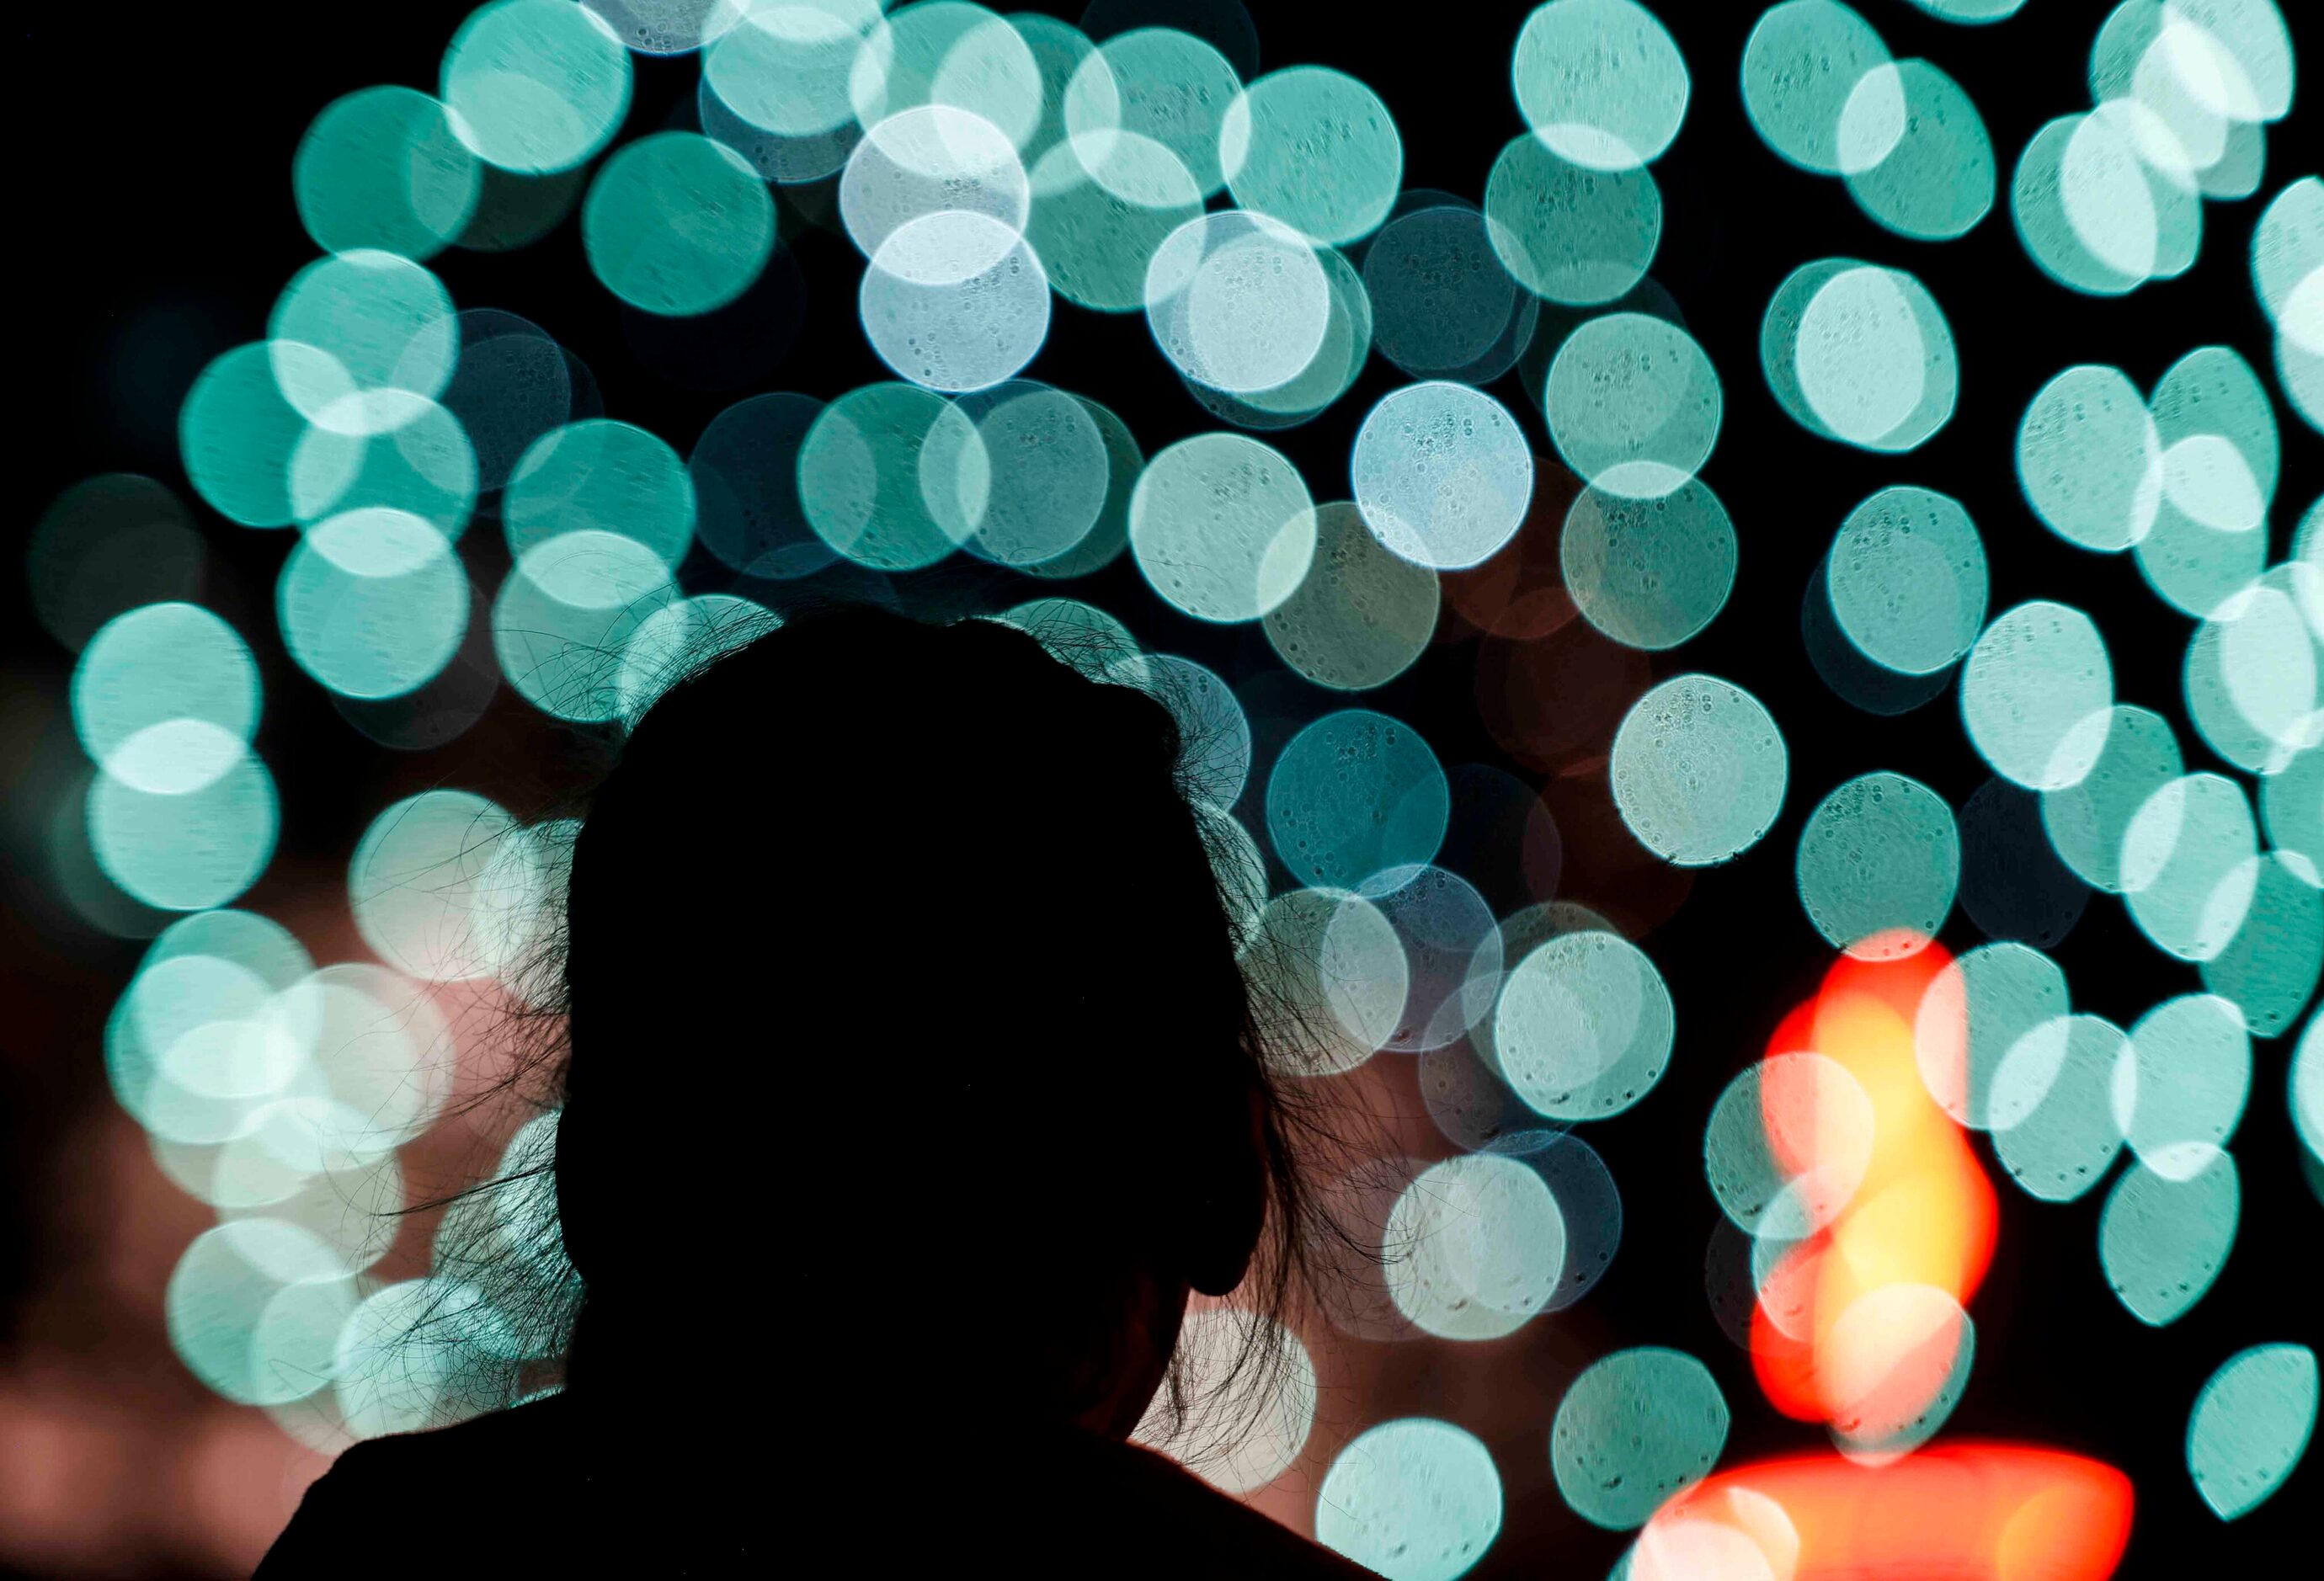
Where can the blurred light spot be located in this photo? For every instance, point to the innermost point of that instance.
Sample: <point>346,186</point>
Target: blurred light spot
<point>1568,232</point>
<point>2090,460</point>
<point>372,602</point>
<point>1361,616</point>
<point>1600,82</point>
<point>384,167</point>
<point>1800,64</point>
<point>1337,967</point>
<point>1443,305</point>
<point>1935,179</point>
<point>1907,579</point>
<point>2180,1084</point>
<point>1476,1246</point>
<point>1634,405</point>
<point>535,86</point>
<point>1162,84</point>
<point>1245,1424</point>
<point>1352,794</point>
<point>675,223</point>
<point>1415,1499</point>
<point>1441,474</point>
<point>569,606</point>
<point>2250,1427</point>
<point>1972,1016</point>
<point>1224,527</point>
<point>2186,865</point>
<point>2057,1082</point>
<point>1698,770</point>
<point>1314,148</point>
<point>1650,572</point>
<point>1238,300</point>
<point>2037,695</point>
<point>2163,1238</point>
<point>1636,1430</point>
<point>1879,862</point>
<point>1584,1026</point>
<point>1788,1144</point>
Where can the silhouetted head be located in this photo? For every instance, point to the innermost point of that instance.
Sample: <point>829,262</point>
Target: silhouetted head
<point>909,1051</point>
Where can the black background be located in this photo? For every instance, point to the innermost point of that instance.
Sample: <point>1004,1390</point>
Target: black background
<point>151,225</point>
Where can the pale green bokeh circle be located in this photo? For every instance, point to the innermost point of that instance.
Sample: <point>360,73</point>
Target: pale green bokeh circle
<point>602,476</point>
<point>1046,473</point>
<point>1971,1020</point>
<point>1936,180</point>
<point>384,326</point>
<point>1162,84</point>
<point>420,460</point>
<point>2057,1081</point>
<point>1698,770</point>
<point>676,225</point>
<point>1648,572</point>
<point>860,478</point>
<point>2087,821</point>
<point>2162,1238</point>
<point>1907,579</point>
<point>961,56</point>
<point>372,602</point>
<point>536,86</point>
<point>2269,968</point>
<point>1802,61</point>
<point>238,436</point>
<point>1414,1500</point>
<point>955,300</point>
<point>2291,804</point>
<point>1568,232</point>
<point>2046,198</point>
<point>1335,959</point>
<point>190,850</point>
<point>2184,1079</point>
<point>149,669</point>
<point>1102,203</point>
<point>384,167</point>
<point>1222,527</point>
<point>1315,149</point>
<point>1879,855</point>
<point>1443,474</point>
<point>222,1285</point>
<point>2090,460</point>
<point>1361,616</point>
<point>2037,695</point>
<point>2307,1087</point>
<point>1634,404</point>
<point>1584,1026</point>
<point>569,607</point>
<point>2250,1426</point>
<point>1600,81</point>
<point>1352,794</point>
<point>2250,678</point>
<point>1481,1244</point>
<point>1237,301</point>
<point>1634,1430</point>
<point>2287,245</point>
<point>2185,864</point>
<point>1875,360</point>
<point>786,69</point>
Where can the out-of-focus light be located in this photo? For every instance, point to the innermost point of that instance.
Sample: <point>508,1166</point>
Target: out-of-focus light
<point>2250,1426</point>
<point>1415,1499</point>
<point>1698,770</point>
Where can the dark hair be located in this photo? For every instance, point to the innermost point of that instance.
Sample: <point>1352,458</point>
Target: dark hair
<point>1074,763</point>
